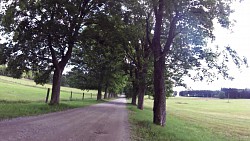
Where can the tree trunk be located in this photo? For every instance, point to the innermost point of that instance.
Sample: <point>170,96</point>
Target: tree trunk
<point>159,52</point>
<point>55,96</point>
<point>134,96</point>
<point>160,94</point>
<point>142,86</point>
<point>131,72</point>
<point>141,93</point>
<point>99,94</point>
<point>106,92</point>
<point>142,79</point>
<point>135,87</point>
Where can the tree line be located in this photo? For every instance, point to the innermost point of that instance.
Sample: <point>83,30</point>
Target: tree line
<point>137,47</point>
<point>232,93</point>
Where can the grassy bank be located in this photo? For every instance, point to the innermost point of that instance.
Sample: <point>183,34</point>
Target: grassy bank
<point>22,97</point>
<point>12,109</point>
<point>22,89</point>
<point>194,119</point>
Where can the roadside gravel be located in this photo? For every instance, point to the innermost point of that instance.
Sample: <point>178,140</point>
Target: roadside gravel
<point>100,122</point>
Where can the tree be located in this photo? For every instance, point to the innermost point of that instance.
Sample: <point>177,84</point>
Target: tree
<point>43,34</point>
<point>138,50</point>
<point>181,24</point>
<point>100,54</point>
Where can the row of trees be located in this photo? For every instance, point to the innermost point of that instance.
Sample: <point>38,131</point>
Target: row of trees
<point>202,93</point>
<point>236,93</point>
<point>223,93</point>
<point>141,47</point>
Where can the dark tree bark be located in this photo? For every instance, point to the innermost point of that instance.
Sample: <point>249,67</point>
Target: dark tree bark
<point>131,74</point>
<point>159,108</point>
<point>106,92</point>
<point>142,83</point>
<point>160,51</point>
<point>134,96</point>
<point>141,93</point>
<point>160,94</point>
<point>135,88</point>
<point>55,97</point>
<point>142,87</point>
<point>111,95</point>
<point>59,67</point>
<point>143,60</point>
<point>99,94</point>
<point>56,85</point>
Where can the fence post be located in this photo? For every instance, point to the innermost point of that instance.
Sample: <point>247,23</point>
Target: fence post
<point>82,96</point>
<point>91,95</point>
<point>47,97</point>
<point>71,96</point>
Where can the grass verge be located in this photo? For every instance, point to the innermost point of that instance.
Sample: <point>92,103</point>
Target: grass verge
<point>22,97</point>
<point>193,119</point>
<point>13,109</point>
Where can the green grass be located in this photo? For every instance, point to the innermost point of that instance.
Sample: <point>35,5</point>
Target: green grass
<point>22,97</point>
<point>23,89</point>
<point>12,109</point>
<point>194,119</point>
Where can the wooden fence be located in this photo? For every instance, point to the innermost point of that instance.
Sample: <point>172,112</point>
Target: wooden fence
<point>84,95</point>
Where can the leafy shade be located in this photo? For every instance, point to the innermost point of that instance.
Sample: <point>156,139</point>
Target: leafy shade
<point>99,56</point>
<point>42,35</point>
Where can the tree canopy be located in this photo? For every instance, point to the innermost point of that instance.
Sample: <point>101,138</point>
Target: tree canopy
<point>42,35</point>
<point>183,25</point>
<point>148,45</point>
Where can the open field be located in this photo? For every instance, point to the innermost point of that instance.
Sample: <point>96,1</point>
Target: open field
<point>194,119</point>
<point>21,97</point>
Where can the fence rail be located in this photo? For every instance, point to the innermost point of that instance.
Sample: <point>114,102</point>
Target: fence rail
<point>84,95</point>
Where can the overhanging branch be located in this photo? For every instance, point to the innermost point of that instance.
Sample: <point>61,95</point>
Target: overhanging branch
<point>171,34</point>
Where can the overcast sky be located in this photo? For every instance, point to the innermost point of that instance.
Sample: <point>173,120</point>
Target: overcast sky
<point>238,40</point>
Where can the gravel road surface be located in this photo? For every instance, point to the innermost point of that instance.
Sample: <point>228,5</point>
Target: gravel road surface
<point>101,122</point>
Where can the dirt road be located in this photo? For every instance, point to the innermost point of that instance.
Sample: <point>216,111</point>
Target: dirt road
<point>101,122</point>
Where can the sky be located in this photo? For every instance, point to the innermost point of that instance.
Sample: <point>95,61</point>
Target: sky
<point>238,39</point>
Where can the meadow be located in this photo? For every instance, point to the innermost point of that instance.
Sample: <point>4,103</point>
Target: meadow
<point>194,119</point>
<point>22,97</point>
